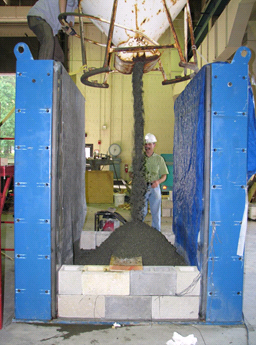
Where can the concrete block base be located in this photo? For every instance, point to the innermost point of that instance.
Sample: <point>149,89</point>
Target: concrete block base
<point>154,293</point>
<point>81,306</point>
<point>175,308</point>
<point>128,308</point>
<point>167,212</point>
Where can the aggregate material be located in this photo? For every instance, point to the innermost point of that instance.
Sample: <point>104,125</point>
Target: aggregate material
<point>133,239</point>
<point>139,186</point>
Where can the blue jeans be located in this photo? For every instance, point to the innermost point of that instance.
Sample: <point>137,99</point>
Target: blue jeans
<point>153,196</point>
<point>50,48</point>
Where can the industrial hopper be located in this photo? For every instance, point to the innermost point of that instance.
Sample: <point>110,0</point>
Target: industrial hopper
<point>133,29</point>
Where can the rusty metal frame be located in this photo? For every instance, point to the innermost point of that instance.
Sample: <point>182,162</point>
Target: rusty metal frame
<point>110,49</point>
<point>183,62</point>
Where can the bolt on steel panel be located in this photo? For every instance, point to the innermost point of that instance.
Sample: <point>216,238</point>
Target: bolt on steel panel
<point>33,118</point>
<point>228,179</point>
<point>49,171</point>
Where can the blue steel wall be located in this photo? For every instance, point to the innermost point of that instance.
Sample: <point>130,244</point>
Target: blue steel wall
<point>228,184</point>
<point>209,190</point>
<point>33,121</point>
<point>50,205</point>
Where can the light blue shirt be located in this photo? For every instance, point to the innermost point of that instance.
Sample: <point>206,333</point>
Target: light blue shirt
<point>49,10</point>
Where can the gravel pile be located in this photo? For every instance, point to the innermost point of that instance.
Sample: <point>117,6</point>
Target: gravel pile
<point>133,239</point>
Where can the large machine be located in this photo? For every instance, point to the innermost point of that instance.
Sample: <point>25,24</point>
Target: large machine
<point>212,207</point>
<point>209,189</point>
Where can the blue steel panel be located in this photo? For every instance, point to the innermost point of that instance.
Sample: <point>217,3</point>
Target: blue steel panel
<point>229,125</point>
<point>33,126</point>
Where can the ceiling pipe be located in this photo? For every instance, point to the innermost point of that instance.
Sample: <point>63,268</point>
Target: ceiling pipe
<point>213,8</point>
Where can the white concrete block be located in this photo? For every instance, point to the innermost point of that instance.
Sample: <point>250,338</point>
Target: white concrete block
<point>101,236</point>
<point>106,283</point>
<point>187,276</point>
<point>175,308</point>
<point>159,269</point>
<point>75,306</point>
<point>88,240</point>
<point>70,280</point>
<point>91,239</point>
<point>167,212</point>
<point>169,236</point>
<point>167,203</point>
<point>95,268</point>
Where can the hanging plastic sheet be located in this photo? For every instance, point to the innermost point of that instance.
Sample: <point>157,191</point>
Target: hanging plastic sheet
<point>251,163</point>
<point>189,166</point>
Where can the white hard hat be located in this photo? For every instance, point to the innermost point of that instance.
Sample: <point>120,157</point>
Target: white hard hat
<point>150,138</point>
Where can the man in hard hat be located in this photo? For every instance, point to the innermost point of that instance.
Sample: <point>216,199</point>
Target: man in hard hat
<point>43,21</point>
<point>156,171</point>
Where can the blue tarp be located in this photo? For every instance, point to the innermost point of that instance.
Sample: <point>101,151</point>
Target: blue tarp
<point>251,163</point>
<point>188,166</point>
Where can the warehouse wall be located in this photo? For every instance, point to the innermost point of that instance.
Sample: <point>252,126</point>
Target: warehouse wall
<point>113,107</point>
<point>236,26</point>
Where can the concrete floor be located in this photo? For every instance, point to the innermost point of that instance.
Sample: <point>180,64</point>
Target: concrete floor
<point>14,333</point>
